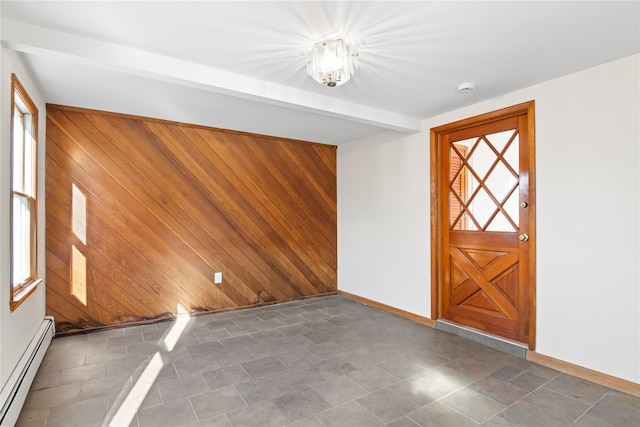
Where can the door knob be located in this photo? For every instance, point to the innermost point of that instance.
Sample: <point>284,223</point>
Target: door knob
<point>523,237</point>
<point>524,204</point>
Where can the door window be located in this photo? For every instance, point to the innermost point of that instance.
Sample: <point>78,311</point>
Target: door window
<point>483,185</point>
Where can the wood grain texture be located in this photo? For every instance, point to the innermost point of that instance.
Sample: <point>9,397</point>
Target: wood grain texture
<point>145,211</point>
<point>442,260</point>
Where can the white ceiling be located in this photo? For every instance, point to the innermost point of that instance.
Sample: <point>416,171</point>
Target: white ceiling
<point>241,65</point>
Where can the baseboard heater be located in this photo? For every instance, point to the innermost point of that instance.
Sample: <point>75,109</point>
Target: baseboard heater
<point>14,393</point>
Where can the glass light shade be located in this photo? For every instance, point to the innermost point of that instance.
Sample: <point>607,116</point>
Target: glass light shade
<point>332,62</point>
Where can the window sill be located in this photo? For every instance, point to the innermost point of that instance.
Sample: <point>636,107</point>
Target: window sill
<point>22,295</point>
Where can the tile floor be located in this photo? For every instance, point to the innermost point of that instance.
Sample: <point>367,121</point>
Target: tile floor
<point>321,362</point>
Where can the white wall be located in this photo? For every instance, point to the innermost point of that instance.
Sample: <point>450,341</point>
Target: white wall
<point>588,216</point>
<point>17,328</point>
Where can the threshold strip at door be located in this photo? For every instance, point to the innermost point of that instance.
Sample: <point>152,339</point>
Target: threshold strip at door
<point>497,343</point>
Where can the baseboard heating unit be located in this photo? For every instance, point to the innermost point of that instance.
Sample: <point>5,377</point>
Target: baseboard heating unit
<point>15,391</point>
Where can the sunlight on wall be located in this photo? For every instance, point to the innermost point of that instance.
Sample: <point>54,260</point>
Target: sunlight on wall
<point>78,278</point>
<point>78,275</point>
<point>79,214</point>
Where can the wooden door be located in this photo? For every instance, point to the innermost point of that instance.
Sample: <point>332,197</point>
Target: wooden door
<point>484,223</point>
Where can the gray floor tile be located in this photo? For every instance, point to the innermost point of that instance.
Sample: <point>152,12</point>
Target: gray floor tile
<point>237,343</point>
<point>241,329</point>
<point>78,413</point>
<point>230,358</point>
<point>315,315</point>
<point>528,381</point>
<point>125,340</point>
<point>106,385</point>
<point>373,378</point>
<point>402,422</point>
<point>318,325</point>
<point>214,335</point>
<point>261,367</point>
<point>264,388</point>
<point>246,318</point>
<point>194,365</point>
<point>219,421</point>
<point>268,315</point>
<point>361,358</point>
<point>209,349</point>
<point>266,336</point>
<point>179,388</point>
<point>350,414</point>
<point>139,397</point>
<point>339,390</point>
<point>273,348</point>
<point>446,378</point>
<point>508,373</point>
<point>97,356</point>
<point>57,362</point>
<point>471,367</point>
<point>141,374</point>
<point>299,378</point>
<point>538,370</point>
<point>557,405</point>
<point>45,380</point>
<point>265,325</point>
<point>261,414</point>
<point>419,389</point>
<point>307,422</point>
<point>439,414</point>
<point>217,402</point>
<point>298,358</point>
<point>617,409</point>
<point>74,347</point>
<point>326,350</point>
<point>497,421</point>
<point>133,330</point>
<point>387,405</point>
<point>173,414</point>
<point>589,421</point>
<point>577,388</point>
<point>35,418</point>
<point>426,358</point>
<point>525,414</point>
<point>473,405</point>
<point>223,377</point>
<point>498,390</point>
<point>219,324</point>
<point>402,368</point>
<point>83,373</point>
<point>301,404</point>
<point>54,396</point>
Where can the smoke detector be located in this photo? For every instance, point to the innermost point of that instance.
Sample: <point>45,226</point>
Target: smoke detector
<point>466,87</point>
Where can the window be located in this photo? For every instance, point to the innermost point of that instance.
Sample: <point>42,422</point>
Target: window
<point>24,121</point>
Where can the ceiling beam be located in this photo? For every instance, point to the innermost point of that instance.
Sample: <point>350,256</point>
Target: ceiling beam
<point>38,40</point>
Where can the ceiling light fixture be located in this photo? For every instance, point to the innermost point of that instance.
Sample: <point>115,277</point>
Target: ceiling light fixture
<point>332,62</point>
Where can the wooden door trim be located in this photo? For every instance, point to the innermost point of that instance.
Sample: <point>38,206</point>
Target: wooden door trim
<point>528,110</point>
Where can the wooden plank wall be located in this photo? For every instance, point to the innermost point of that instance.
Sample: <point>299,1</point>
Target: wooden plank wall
<point>140,213</point>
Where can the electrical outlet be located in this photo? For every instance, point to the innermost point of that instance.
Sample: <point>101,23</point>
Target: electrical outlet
<point>217,277</point>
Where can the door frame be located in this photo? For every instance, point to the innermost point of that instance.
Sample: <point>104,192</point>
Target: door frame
<point>528,109</point>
